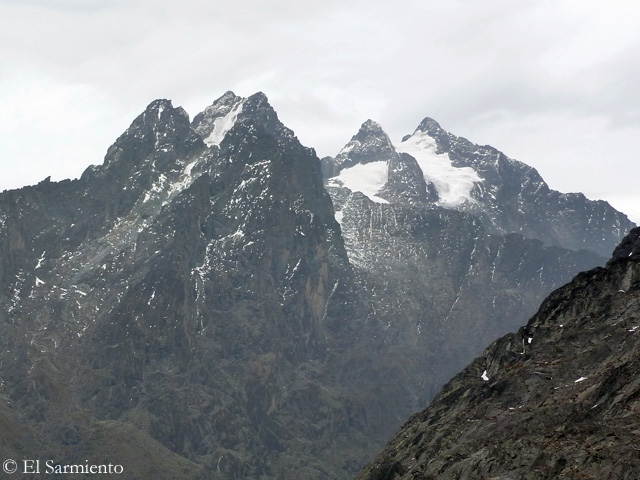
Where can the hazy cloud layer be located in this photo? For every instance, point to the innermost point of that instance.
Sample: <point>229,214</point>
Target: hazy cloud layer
<point>552,83</point>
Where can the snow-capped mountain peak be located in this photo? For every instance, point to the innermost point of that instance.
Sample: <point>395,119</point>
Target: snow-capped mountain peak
<point>370,163</point>
<point>429,125</point>
<point>363,164</point>
<point>433,167</point>
<point>370,144</point>
<point>222,125</point>
<point>368,129</point>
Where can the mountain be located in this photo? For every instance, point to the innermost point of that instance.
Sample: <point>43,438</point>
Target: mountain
<point>505,194</point>
<point>447,266</point>
<point>205,304</point>
<point>187,290</point>
<point>556,399</point>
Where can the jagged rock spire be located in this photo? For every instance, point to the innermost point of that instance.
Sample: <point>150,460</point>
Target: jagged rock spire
<point>370,144</point>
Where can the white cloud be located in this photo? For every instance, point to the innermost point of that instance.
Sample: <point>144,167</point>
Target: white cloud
<point>47,129</point>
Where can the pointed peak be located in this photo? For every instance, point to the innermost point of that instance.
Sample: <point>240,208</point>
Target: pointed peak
<point>227,102</point>
<point>217,120</point>
<point>160,111</point>
<point>258,108</point>
<point>221,105</point>
<point>159,103</point>
<point>429,125</point>
<point>258,102</point>
<point>370,144</point>
<point>157,137</point>
<point>259,97</point>
<point>371,129</point>
<point>227,95</point>
<point>156,108</point>
<point>431,128</point>
<point>370,125</point>
<point>228,98</point>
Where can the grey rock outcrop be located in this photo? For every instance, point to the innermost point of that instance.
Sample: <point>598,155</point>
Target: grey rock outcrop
<point>557,399</point>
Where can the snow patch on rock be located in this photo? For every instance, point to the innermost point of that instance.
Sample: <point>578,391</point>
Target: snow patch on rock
<point>367,179</point>
<point>222,125</point>
<point>453,184</point>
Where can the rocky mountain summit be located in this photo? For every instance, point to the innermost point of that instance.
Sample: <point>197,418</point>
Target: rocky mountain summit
<point>506,195</point>
<point>205,304</point>
<point>557,399</point>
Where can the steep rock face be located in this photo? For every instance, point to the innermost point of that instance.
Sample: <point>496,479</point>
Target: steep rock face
<point>442,287</point>
<point>69,255</point>
<point>557,399</point>
<point>188,301</point>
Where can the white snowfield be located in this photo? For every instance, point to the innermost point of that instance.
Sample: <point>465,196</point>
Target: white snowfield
<point>367,179</point>
<point>452,183</point>
<point>222,125</point>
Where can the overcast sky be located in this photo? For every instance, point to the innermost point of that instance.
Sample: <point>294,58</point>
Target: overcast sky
<point>553,83</point>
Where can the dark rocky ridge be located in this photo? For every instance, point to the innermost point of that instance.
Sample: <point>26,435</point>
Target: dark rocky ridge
<point>513,198</point>
<point>192,309</point>
<point>198,295</point>
<point>557,399</point>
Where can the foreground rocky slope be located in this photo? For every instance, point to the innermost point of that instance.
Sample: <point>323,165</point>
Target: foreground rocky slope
<point>557,399</point>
